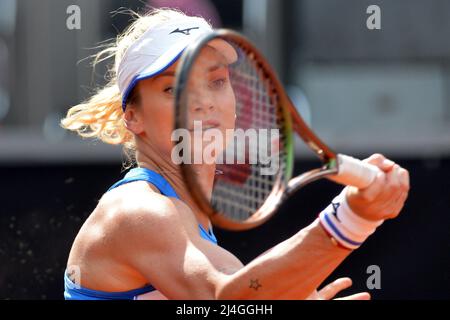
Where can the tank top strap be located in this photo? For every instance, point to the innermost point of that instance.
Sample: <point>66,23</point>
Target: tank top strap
<point>144,174</point>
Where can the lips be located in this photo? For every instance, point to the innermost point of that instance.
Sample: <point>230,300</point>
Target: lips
<point>207,125</point>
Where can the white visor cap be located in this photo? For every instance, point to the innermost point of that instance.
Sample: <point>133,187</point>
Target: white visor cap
<point>159,47</point>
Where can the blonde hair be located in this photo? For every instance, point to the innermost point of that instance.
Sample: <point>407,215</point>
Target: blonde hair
<point>100,116</point>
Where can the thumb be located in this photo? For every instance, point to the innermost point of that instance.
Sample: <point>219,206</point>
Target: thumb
<point>380,161</point>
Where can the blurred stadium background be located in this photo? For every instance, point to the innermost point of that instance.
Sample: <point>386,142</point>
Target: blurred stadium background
<point>363,91</point>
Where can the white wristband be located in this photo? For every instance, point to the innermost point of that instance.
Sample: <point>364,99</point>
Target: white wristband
<point>345,226</point>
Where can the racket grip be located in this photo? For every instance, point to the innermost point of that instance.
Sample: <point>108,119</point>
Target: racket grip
<point>354,172</point>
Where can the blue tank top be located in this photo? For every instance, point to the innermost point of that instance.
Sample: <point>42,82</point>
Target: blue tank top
<point>75,292</point>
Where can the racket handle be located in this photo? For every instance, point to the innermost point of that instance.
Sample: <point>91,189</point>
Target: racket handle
<point>354,172</point>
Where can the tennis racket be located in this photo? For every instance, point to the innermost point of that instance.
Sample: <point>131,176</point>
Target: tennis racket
<point>247,193</point>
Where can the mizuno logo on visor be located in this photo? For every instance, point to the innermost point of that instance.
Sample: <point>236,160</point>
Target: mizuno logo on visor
<point>185,31</point>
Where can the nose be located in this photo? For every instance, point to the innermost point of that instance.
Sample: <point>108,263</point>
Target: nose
<point>201,101</point>
<point>202,108</point>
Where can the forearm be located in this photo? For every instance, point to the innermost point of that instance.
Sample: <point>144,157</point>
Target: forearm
<point>291,270</point>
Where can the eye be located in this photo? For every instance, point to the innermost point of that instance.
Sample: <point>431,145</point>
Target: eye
<point>218,83</point>
<point>169,90</point>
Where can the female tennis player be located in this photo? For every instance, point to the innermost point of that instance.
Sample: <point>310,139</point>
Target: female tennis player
<point>146,239</point>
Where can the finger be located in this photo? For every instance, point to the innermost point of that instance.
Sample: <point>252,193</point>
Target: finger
<point>375,189</point>
<point>398,205</point>
<point>387,165</point>
<point>329,291</point>
<point>397,187</point>
<point>404,178</point>
<point>392,191</point>
<point>403,181</point>
<point>375,159</point>
<point>380,161</point>
<point>314,296</point>
<point>357,296</point>
<point>393,183</point>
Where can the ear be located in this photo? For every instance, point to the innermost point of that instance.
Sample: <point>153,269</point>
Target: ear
<point>133,120</point>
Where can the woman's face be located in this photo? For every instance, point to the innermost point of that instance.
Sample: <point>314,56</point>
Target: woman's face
<point>211,100</point>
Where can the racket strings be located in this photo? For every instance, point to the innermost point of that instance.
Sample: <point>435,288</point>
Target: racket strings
<point>242,188</point>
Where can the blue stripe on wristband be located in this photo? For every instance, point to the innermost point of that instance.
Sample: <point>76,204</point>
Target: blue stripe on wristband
<point>338,233</point>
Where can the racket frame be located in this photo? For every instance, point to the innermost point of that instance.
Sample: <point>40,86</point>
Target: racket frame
<point>294,123</point>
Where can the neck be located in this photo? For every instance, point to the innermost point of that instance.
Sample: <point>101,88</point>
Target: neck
<point>148,157</point>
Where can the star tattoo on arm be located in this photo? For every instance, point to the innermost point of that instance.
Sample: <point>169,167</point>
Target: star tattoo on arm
<point>254,284</point>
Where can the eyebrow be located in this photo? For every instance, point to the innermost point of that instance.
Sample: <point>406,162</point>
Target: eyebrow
<point>217,66</point>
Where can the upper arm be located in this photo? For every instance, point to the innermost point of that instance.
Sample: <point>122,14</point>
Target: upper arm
<point>163,243</point>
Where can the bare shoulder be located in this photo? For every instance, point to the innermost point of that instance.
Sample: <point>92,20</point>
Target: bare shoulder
<point>127,221</point>
<point>128,218</point>
<point>138,207</point>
